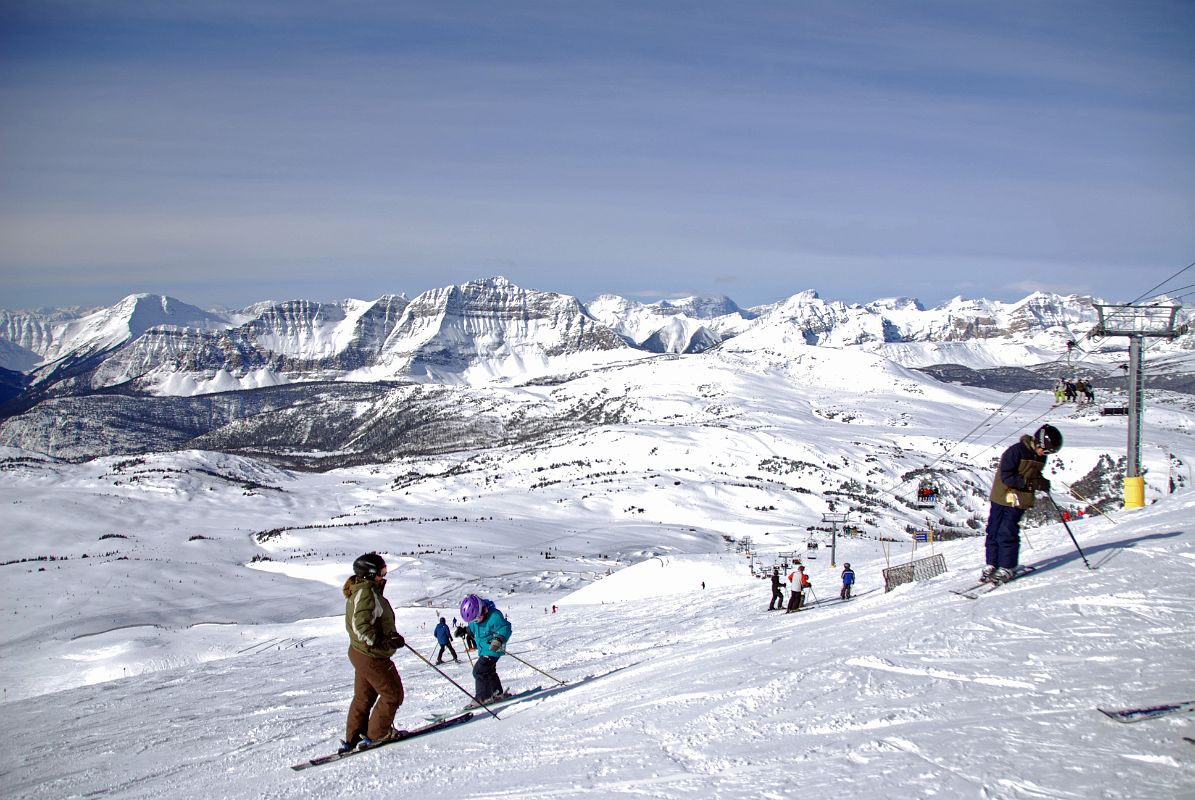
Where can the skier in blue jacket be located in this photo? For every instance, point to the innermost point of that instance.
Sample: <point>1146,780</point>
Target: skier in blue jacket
<point>848,580</point>
<point>444,638</point>
<point>491,630</point>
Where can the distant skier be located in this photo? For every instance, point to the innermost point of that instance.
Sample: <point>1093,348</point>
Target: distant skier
<point>797,581</point>
<point>461,632</point>
<point>1017,477</point>
<point>777,602</point>
<point>491,631</point>
<point>848,580</point>
<point>444,637</point>
<point>377,687</point>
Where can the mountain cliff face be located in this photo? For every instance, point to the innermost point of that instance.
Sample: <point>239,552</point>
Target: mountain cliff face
<point>445,332</point>
<point>160,346</point>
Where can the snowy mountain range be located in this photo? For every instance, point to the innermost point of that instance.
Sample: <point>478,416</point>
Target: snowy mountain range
<point>319,384</point>
<point>492,330</point>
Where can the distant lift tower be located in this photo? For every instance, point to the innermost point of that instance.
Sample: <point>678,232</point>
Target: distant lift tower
<point>835,520</point>
<point>1137,323</point>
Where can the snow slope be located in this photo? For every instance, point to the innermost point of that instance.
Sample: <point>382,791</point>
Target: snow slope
<point>173,622</point>
<point>675,691</point>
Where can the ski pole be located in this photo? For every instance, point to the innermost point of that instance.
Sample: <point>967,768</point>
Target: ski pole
<point>814,594</point>
<point>537,669</point>
<point>1066,525</point>
<point>450,680</point>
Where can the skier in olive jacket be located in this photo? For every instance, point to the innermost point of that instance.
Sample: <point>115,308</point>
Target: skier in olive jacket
<point>373,639</point>
<point>1017,478</point>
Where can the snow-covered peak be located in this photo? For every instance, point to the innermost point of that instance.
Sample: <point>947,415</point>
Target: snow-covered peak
<point>897,304</point>
<point>128,319</point>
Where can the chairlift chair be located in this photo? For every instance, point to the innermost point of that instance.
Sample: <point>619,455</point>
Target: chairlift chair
<point>927,495</point>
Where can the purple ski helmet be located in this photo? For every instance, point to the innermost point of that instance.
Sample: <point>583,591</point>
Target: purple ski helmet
<point>471,607</point>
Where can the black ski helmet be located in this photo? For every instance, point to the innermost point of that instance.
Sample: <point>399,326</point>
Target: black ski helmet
<point>369,565</point>
<point>1048,438</point>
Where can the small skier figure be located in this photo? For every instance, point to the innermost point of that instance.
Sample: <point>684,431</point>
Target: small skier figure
<point>461,632</point>
<point>777,602</point>
<point>444,637</point>
<point>377,687</point>
<point>848,580</point>
<point>1016,480</point>
<point>491,630</point>
<point>796,596</point>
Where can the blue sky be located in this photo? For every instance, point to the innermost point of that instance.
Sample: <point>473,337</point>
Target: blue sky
<point>229,152</point>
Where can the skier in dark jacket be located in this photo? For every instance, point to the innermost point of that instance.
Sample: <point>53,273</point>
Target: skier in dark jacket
<point>1018,476</point>
<point>777,603</point>
<point>444,637</point>
<point>377,687</point>
<point>848,580</point>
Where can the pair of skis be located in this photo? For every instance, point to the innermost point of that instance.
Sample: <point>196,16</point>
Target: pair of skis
<point>1151,712</point>
<point>505,700</point>
<point>435,722</point>
<point>984,587</point>
<point>432,727</point>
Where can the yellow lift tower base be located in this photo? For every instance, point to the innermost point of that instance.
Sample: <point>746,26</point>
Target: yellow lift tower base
<point>1134,492</point>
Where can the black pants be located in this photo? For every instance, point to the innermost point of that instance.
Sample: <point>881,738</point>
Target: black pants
<point>451,649</point>
<point>777,600</point>
<point>795,599</point>
<point>485,677</point>
<point>846,591</point>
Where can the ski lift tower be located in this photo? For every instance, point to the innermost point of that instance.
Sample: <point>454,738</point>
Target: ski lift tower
<point>834,520</point>
<point>1137,323</point>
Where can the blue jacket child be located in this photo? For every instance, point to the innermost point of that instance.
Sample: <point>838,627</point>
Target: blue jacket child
<point>444,638</point>
<point>491,631</point>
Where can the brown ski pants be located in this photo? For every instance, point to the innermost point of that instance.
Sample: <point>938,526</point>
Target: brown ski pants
<point>376,681</point>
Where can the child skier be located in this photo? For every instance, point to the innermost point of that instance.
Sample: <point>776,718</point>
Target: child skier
<point>491,630</point>
<point>444,638</point>
<point>848,580</point>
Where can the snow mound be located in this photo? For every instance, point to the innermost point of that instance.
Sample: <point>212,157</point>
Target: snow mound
<point>663,576</point>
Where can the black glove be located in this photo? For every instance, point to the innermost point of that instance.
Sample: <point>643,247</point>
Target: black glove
<point>1042,484</point>
<point>396,641</point>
